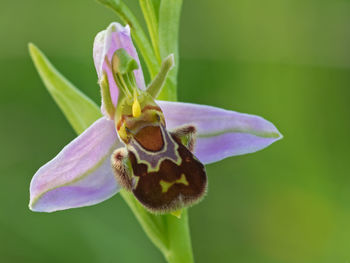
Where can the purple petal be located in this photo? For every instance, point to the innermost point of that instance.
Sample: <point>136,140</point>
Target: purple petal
<point>220,133</point>
<point>80,175</point>
<point>106,43</point>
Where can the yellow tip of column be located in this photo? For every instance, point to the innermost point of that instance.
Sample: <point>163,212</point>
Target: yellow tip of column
<point>136,108</point>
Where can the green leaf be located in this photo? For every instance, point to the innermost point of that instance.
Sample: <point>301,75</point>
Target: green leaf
<point>80,111</point>
<point>169,19</point>
<point>156,5</point>
<point>150,13</point>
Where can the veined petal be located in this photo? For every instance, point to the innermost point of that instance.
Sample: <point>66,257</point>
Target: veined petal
<point>220,133</point>
<point>106,43</point>
<point>80,175</point>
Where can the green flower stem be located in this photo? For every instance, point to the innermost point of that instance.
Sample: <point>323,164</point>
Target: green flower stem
<point>180,248</point>
<point>169,234</point>
<point>152,225</point>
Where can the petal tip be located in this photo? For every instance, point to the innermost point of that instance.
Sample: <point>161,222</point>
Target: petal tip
<point>117,27</point>
<point>32,205</point>
<point>80,175</point>
<point>277,135</point>
<point>221,133</point>
<point>280,136</point>
<point>31,46</point>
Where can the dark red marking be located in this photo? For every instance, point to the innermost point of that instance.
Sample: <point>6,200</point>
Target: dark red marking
<point>149,191</point>
<point>150,138</point>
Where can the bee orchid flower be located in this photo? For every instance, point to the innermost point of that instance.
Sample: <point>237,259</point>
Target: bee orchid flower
<point>156,149</point>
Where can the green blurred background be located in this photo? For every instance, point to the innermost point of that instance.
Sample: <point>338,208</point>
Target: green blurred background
<point>286,60</point>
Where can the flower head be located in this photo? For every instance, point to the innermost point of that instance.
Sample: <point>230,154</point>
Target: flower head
<point>156,149</point>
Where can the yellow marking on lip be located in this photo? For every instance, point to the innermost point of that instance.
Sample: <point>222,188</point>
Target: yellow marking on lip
<point>166,185</point>
<point>177,213</point>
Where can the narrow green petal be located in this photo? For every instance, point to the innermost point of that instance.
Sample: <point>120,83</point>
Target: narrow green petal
<point>158,82</point>
<point>80,111</point>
